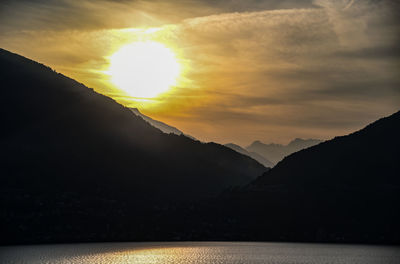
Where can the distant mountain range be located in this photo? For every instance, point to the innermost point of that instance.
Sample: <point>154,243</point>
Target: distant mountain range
<point>270,154</point>
<point>160,125</point>
<point>253,155</point>
<point>258,151</point>
<point>276,152</point>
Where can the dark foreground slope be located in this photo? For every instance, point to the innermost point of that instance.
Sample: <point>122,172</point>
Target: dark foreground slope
<point>76,165</point>
<point>342,190</point>
<point>368,157</point>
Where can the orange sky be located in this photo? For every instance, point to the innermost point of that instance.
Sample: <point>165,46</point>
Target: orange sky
<point>252,70</point>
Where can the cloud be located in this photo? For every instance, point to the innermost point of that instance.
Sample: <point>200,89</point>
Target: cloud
<point>17,15</point>
<point>113,14</point>
<point>295,68</point>
<point>268,70</point>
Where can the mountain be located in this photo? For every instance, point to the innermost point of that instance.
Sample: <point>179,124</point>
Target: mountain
<point>342,190</point>
<point>276,152</point>
<point>74,162</point>
<point>253,155</point>
<point>160,125</point>
<point>356,153</point>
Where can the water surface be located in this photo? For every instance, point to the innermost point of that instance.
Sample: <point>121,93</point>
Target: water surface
<point>200,252</point>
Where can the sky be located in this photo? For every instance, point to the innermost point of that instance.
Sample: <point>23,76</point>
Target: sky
<point>268,70</point>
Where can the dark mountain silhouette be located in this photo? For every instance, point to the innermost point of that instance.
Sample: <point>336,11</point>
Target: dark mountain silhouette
<point>71,156</point>
<point>276,152</point>
<point>160,125</point>
<point>356,164</point>
<point>253,155</point>
<point>343,190</point>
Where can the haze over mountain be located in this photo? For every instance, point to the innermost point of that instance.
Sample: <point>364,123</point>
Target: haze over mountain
<point>276,152</point>
<point>253,155</point>
<point>257,150</point>
<point>160,125</point>
<point>66,147</point>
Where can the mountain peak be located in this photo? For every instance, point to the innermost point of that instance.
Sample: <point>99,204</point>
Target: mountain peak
<point>276,152</point>
<point>256,142</point>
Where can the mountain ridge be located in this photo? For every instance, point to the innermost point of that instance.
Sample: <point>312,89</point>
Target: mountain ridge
<point>276,152</point>
<point>159,124</point>
<point>94,111</point>
<point>66,150</point>
<point>362,142</point>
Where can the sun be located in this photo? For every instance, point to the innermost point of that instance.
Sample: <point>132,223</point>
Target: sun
<point>144,69</point>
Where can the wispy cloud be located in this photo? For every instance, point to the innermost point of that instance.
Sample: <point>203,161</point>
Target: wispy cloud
<point>269,70</point>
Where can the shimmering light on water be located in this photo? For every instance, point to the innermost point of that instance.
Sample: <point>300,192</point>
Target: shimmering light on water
<point>199,252</point>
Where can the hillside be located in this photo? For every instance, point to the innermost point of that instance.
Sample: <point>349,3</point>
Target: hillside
<point>68,152</point>
<point>343,190</point>
<point>369,156</point>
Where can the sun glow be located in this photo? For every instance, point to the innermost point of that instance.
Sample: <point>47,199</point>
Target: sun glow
<point>144,69</point>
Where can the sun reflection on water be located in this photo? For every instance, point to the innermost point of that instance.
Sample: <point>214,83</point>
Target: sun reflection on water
<point>160,255</point>
<point>199,253</point>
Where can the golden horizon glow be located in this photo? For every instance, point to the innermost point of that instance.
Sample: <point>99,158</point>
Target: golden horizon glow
<point>243,64</point>
<point>144,69</point>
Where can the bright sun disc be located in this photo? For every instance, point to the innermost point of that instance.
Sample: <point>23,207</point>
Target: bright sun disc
<point>144,69</point>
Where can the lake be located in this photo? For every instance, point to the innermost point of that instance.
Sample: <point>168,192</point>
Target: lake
<point>199,252</point>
